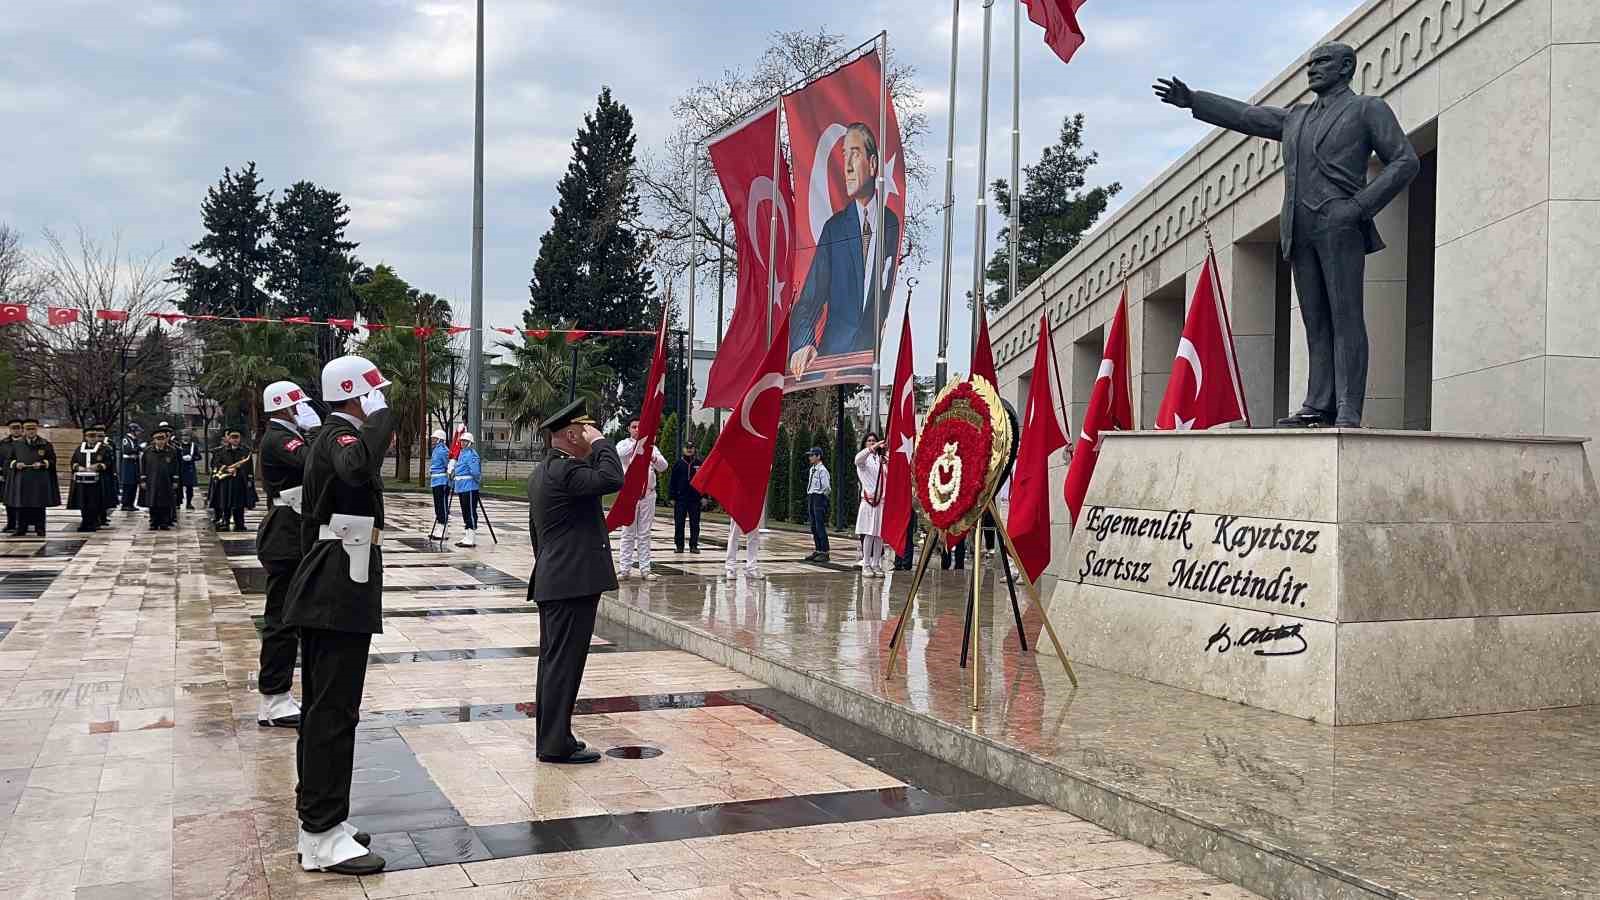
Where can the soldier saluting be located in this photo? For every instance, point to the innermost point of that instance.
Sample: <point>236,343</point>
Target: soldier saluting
<point>284,449</point>
<point>336,600</point>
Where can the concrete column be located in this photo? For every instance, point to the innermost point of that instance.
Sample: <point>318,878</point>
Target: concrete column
<point>1250,279</point>
<point>1385,299</point>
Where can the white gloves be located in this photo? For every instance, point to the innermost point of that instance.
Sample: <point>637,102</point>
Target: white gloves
<point>305,416</point>
<point>450,468</point>
<point>371,403</point>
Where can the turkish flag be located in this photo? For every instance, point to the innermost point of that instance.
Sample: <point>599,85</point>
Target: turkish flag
<point>743,163</point>
<point>1204,389</point>
<point>169,318</point>
<point>1110,408</point>
<point>576,335</point>
<point>62,315</point>
<point>298,320</point>
<point>737,469</point>
<point>457,329</point>
<point>510,331</point>
<point>12,312</point>
<point>638,474</point>
<point>343,324</point>
<point>1060,20</point>
<point>538,334</point>
<point>1043,433</point>
<point>982,353</point>
<point>902,438</point>
<point>818,117</point>
<point>422,331</point>
<point>111,315</point>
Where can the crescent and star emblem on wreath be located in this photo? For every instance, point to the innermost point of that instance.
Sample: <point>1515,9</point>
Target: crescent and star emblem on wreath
<point>944,478</point>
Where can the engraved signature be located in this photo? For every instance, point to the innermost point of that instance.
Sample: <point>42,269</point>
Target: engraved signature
<point>1260,638</point>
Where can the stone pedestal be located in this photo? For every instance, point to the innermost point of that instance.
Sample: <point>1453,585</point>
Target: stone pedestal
<point>1346,576</point>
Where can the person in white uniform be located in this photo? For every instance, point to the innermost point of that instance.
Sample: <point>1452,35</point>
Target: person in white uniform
<point>752,549</point>
<point>636,537</point>
<point>870,470</point>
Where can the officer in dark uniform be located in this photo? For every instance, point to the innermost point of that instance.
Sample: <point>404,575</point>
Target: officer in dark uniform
<point>232,480</point>
<point>282,458</point>
<point>188,456</point>
<point>129,451</point>
<point>159,479</point>
<point>336,601</point>
<point>91,465</point>
<point>8,446</point>
<point>31,484</point>
<point>571,568</point>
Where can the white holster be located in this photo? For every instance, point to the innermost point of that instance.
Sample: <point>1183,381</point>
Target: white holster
<point>290,497</point>
<point>356,535</point>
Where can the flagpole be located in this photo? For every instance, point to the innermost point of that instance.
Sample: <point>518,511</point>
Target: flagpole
<point>772,213</point>
<point>982,218</point>
<point>475,343</point>
<point>941,366</point>
<point>1016,141</point>
<point>878,244</point>
<point>694,256</point>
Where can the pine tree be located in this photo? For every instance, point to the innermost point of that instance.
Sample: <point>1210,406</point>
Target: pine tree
<point>311,268</point>
<point>591,267</point>
<point>1055,212</point>
<point>236,216</point>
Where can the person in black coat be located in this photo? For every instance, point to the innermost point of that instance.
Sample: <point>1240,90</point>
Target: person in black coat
<point>230,478</point>
<point>282,459</point>
<point>31,484</point>
<point>685,499</point>
<point>92,466</point>
<point>336,601</point>
<point>189,460</point>
<point>8,446</point>
<point>159,479</point>
<point>571,569</point>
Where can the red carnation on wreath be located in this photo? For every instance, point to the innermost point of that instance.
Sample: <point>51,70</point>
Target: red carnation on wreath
<point>955,448</point>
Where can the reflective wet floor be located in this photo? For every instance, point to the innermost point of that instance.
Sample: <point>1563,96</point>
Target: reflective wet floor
<point>131,764</point>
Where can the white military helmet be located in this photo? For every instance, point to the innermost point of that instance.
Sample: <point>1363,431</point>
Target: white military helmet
<point>438,435</point>
<point>350,376</point>
<point>281,395</point>
<point>466,437</point>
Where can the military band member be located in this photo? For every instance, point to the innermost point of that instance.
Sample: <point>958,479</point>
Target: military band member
<point>91,468</point>
<point>336,601</point>
<point>129,450</point>
<point>31,484</point>
<point>571,569</point>
<point>282,458</point>
<point>188,460</point>
<point>159,479</point>
<point>7,450</point>
<point>229,475</point>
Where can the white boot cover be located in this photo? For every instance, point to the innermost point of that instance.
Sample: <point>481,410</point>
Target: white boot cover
<point>334,846</point>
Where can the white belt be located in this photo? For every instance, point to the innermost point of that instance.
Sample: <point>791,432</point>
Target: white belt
<point>290,497</point>
<point>86,476</point>
<point>465,478</point>
<point>358,536</point>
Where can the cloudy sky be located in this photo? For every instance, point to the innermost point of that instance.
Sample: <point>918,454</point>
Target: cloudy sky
<point>118,115</point>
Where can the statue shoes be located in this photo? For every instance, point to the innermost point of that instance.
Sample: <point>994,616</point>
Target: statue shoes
<point>1305,418</point>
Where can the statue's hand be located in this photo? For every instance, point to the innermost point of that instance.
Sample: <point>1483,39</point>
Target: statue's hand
<point>1174,91</point>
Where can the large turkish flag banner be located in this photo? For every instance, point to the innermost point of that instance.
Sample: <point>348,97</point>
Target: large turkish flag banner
<point>743,163</point>
<point>637,478</point>
<point>1043,433</point>
<point>1110,408</point>
<point>833,139</point>
<point>902,440</point>
<point>737,469</point>
<point>1204,389</point>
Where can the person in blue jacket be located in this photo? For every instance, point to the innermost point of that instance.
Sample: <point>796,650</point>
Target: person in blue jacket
<point>439,480</point>
<point>468,474</point>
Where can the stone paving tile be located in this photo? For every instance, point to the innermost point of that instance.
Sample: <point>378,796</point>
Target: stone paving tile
<point>131,767</point>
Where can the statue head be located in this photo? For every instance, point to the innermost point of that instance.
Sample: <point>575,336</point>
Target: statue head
<point>1331,66</point>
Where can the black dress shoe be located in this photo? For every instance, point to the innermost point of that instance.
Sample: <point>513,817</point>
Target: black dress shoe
<point>361,837</point>
<point>1305,418</point>
<point>284,722</point>
<point>575,758</point>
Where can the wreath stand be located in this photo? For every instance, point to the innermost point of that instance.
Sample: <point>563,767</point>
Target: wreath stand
<point>1008,554</point>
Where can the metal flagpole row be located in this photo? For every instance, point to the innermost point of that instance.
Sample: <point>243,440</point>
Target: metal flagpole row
<point>1016,142</point>
<point>981,224</point>
<point>882,199</point>
<point>694,257</point>
<point>475,343</point>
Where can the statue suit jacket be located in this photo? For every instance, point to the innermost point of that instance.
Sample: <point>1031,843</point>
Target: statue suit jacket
<point>832,312</point>
<point>1349,130</point>
<point>567,524</point>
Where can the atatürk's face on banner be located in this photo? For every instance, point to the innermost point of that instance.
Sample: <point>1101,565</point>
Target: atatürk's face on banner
<point>860,168</point>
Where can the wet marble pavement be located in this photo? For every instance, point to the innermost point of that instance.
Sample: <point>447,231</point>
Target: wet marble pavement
<point>131,765</point>
<point>1484,806</point>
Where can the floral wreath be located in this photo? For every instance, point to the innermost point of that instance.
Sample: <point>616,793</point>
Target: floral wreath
<point>961,450</point>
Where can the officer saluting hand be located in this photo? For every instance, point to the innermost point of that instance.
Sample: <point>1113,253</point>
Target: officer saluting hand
<point>571,568</point>
<point>336,600</point>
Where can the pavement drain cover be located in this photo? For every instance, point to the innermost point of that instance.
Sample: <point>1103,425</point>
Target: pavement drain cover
<point>634,752</point>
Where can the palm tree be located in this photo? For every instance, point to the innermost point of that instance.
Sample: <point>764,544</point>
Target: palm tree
<point>397,352</point>
<point>538,380</point>
<point>243,360</point>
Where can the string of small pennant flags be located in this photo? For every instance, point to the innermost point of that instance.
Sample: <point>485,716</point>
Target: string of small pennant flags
<point>61,316</point>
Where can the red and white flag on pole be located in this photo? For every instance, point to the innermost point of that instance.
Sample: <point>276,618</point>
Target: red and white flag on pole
<point>902,438</point>
<point>13,312</point>
<point>1060,20</point>
<point>737,469</point>
<point>743,163</point>
<point>982,352</point>
<point>61,315</point>
<point>1204,389</point>
<point>637,477</point>
<point>1110,408</point>
<point>1043,433</point>
<point>111,315</point>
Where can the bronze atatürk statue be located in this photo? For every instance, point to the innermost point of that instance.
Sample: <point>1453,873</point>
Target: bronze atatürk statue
<point>1328,206</point>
